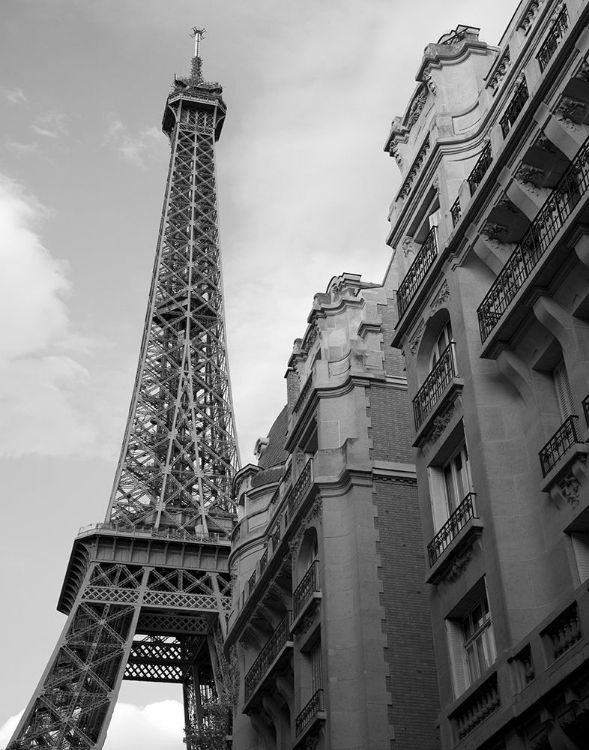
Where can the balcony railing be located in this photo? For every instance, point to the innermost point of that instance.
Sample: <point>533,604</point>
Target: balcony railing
<point>435,383</point>
<point>514,107</point>
<point>310,711</point>
<point>564,438</point>
<point>300,487</point>
<point>422,262</point>
<point>267,655</point>
<point>449,531</point>
<point>552,41</point>
<point>480,168</point>
<point>306,588</point>
<point>548,222</point>
<point>456,212</point>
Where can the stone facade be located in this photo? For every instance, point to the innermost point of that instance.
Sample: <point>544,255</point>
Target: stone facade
<point>331,628</point>
<point>490,238</point>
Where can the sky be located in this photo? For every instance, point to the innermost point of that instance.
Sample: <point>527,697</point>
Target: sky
<point>304,188</point>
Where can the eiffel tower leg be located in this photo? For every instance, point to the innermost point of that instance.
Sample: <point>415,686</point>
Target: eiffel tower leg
<point>73,703</point>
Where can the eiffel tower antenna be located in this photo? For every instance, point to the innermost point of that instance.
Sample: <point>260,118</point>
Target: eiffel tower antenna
<point>147,592</point>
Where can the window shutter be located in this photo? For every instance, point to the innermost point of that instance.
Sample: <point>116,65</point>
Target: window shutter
<point>581,549</point>
<point>564,393</point>
<point>437,492</point>
<point>316,668</point>
<point>457,656</point>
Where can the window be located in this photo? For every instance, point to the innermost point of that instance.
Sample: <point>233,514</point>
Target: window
<point>441,344</point>
<point>471,640</point>
<point>316,668</point>
<point>479,642</point>
<point>450,484</point>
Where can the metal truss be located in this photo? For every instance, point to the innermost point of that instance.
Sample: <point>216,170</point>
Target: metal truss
<point>179,453</point>
<point>142,600</point>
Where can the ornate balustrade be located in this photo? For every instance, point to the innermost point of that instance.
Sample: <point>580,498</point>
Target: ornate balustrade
<point>422,262</point>
<point>456,212</point>
<point>552,41</point>
<point>481,704</point>
<point>479,170</point>
<point>307,587</point>
<point>514,107</point>
<point>548,222</point>
<point>449,531</point>
<point>434,385</point>
<point>564,438</point>
<point>267,655</point>
<point>309,712</point>
<point>564,632</point>
<point>300,487</point>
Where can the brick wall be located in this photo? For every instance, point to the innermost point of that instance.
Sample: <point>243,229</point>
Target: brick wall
<point>391,424</point>
<point>412,680</point>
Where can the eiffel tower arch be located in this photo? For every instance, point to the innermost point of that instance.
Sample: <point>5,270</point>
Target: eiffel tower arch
<point>147,592</point>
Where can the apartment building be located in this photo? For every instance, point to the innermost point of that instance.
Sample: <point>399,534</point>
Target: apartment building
<point>490,242</point>
<point>330,630</point>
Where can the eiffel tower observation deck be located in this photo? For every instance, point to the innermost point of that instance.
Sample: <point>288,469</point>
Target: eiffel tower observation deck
<point>147,592</point>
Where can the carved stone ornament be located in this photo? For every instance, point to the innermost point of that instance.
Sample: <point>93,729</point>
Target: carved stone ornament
<point>545,144</point>
<point>304,625</point>
<point>569,489</point>
<point>441,297</point>
<point>583,72</point>
<point>492,230</point>
<point>311,741</point>
<point>529,15</point>
<point>500,70</point>
<point>416,338</point>
<point>529,177</point>
<point>458,565</point>
<point>507,204</point>
<point>439,424</point>
<point>316,512</point>
<point>565,111</point>
<point>416,107</point>
<point>429,81</point>
<point>407,246</point>
<point>415,169</point>
<point>394,151</point>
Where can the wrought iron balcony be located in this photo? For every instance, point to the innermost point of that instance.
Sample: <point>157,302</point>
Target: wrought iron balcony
<point>479,170</point>
<point>548,222</point>
<point>552,41</point>
<point>309,712</point>
<point>435,383</point>
<point>306,588</point>
<point>456,212</point>
<point>300,487</point>
<point>564,438</point>
<point>422,262</point>
<point>277,641</point>
<point>514,107</point>
<point>449,531</point>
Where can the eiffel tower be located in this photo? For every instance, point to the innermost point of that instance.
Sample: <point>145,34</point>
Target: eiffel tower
<point>147,592</point>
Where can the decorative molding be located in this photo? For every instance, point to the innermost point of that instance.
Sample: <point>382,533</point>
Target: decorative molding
<point>458,565</point>
<point>408,246</point>
<point>439,424</point>
<point>529,15</point>
<point>583,71</point>
<point>416,338</point>
<point>442,296</point>
<point>569,487</point>
<point>545,144</point>
<point>396,480</point>
<point>500,71</point>
<point>565,111</point>
<point>507,204</point>
<point>527,176</point>
<point>415,168</point>
<point>394,152</point>
<point>416,107</point>
<point>429,81</point>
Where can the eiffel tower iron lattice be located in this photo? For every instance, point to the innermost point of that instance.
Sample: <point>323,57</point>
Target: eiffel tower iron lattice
<point>147,592</point>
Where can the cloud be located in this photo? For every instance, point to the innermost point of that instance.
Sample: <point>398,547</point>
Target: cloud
<point>137,149</point>
<point>14,96</point>
<point>51,125</point>
<point>39,379</point>
<point>21,149</point>
<point>156,726</point>
<point>8,728</point>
